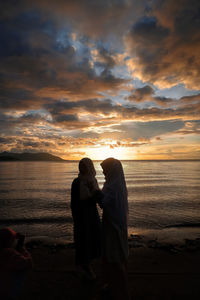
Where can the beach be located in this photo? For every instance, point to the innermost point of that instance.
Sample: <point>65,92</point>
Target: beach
<point>155,271</point>
<point>164,260</point>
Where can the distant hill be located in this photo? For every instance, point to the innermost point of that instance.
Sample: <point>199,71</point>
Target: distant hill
<point>9,156</point>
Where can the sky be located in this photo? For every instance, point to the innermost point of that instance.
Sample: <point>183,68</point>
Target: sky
<point>100,78</point>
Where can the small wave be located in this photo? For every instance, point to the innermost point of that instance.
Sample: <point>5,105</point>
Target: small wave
<point>42,220</point>
<point>180,225</point>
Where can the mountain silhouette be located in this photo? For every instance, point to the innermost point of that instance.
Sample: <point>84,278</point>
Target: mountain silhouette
<point>9,156</point>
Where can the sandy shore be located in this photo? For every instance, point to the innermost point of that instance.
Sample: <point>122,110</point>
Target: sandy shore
<point>156,271</point>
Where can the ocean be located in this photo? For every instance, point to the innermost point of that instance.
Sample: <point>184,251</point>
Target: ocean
<point>164,197</point>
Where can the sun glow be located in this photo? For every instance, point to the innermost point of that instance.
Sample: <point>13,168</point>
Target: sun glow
<point>104,152</point>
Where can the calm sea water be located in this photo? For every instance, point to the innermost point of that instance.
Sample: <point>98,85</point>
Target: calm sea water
<point>35,196</point>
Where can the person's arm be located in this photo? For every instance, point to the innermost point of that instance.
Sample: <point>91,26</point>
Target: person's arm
<point>92,200</point>
<point>76,203</point>
<point>99,197</point>
<point>20,260</point>
<point>107,198</point>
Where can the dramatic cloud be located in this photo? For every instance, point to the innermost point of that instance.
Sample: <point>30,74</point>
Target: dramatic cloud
<point>40,61</point>
<point>147,93</point>
<point>165,44</point>
<point>141,94</point>
<point>79,76</point>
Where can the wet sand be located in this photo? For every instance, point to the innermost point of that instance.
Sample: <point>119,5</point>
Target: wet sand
<point>155,271</point>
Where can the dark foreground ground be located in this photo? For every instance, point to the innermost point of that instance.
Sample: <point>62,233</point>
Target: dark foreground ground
<point>156,271</point>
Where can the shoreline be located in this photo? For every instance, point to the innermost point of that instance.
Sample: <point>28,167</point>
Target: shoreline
<point>155,271</point>
<point>185,244</point>
<point>172,233</point>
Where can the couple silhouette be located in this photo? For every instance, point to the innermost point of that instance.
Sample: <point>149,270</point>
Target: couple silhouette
<point>107,238</point>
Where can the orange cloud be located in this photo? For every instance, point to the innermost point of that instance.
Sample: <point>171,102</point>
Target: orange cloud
<point>165,44</point>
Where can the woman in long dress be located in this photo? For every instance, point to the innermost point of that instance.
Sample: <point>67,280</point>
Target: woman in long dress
<point>87,229</point>
<point>114,228</point>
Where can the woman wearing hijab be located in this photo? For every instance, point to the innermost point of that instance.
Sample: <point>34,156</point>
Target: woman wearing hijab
<point>87,231</point>
<point>15,262</point>
<point>114,228</point>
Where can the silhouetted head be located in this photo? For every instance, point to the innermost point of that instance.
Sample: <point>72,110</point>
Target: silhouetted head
<point>86,167</point>
<point>7,237</point>
<point>107,165</point>
<point>112,168</point>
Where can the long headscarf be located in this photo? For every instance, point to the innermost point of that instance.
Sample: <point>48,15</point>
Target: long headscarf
<point>88,182</point>
<point>7,236</point>
<point>115,202</point>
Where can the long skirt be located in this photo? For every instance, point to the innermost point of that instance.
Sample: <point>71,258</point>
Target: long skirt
<point>114,243</point>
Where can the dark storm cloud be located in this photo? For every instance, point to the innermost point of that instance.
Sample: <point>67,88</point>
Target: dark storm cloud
<point>191,111</point>
<point>11,124</point>
<point>166,43</point>
<point>106,62</point>
<point>147,29</point>
<point>107,108</point>
<point>100,113</point>
<point>141,94</point>
<point>19,98</point>
<point>66,118</point>
<point>189,99</point>
<point>68,121</point>
<point>93,106</point>
<point>164,101</point>
<point>146,39</point>
<point>107,57</point>
<point>45,64</point>
<point>147,93</point>
<point>97,18</point>
<point>39,60</point>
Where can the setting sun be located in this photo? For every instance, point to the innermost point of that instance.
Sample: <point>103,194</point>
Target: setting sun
<point>108,151</point>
